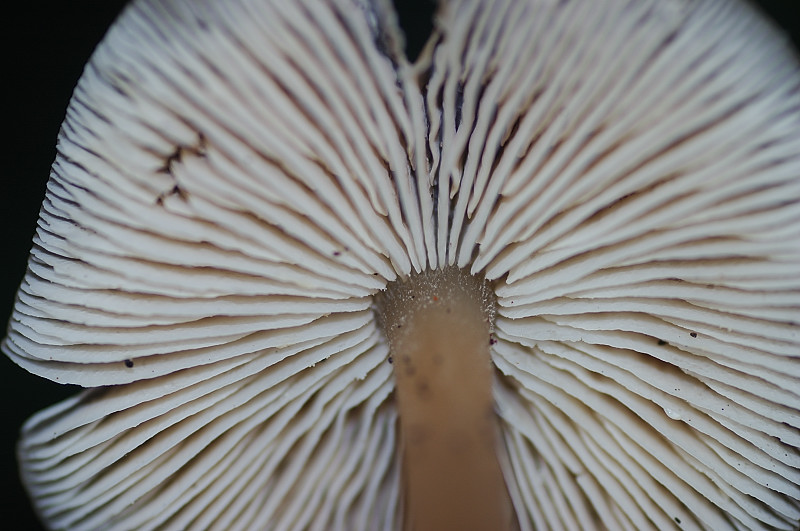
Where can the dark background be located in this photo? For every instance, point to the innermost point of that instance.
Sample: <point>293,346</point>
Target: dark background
<point>47,44</point>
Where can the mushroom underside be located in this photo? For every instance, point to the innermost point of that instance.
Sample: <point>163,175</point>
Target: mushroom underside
<point>238,185</point>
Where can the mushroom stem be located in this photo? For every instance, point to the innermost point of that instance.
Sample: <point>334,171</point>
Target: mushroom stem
<point>439,330</point>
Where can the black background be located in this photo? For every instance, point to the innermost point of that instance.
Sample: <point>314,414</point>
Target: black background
<point>47,44</point>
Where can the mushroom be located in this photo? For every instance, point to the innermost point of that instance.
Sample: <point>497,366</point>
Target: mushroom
<point>546,276</point>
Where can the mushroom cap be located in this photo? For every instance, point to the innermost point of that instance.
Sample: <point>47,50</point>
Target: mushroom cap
<point>235,182</point>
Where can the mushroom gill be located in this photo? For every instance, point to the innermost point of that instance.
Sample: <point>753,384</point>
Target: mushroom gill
<point>242,189</point>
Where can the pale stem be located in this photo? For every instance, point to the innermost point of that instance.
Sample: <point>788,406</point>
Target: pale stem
<point>449,433</point>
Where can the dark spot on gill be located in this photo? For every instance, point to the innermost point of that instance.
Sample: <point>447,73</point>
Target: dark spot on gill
<point>175,191</point>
